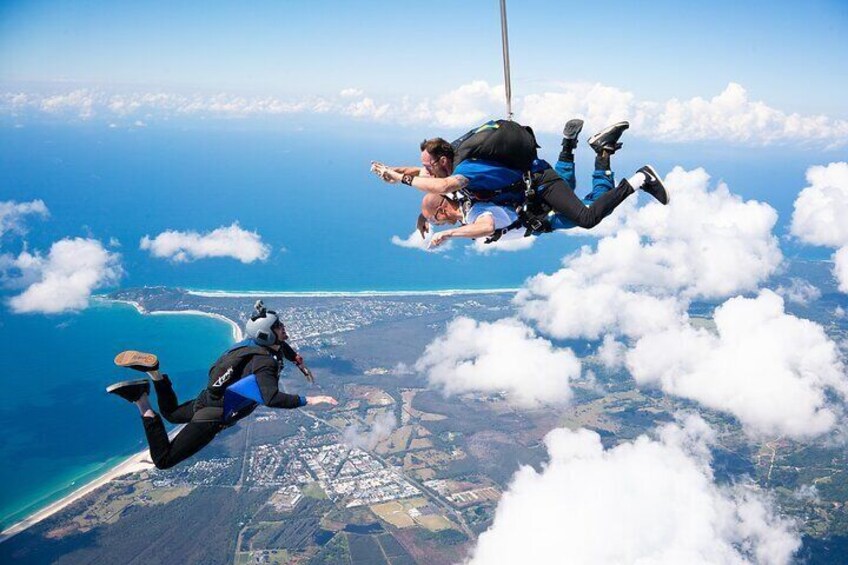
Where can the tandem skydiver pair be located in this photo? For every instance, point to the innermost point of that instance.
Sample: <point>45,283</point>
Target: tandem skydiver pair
<point>243,377</point>
<point>492,181</point>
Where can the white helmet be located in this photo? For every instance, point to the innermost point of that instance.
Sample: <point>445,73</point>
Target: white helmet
<point>260,326</point>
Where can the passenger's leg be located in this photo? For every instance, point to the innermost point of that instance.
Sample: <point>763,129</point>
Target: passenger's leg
<point>191,439</point>
<point>565,170</point>
<point>563,201</point>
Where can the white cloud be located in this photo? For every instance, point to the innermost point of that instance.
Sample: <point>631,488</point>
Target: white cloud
<point>729,116</point>
<point>503,356</point>
<point>505,243</point>
<point>648,501</point>
<point>381,428</point>
<point>12,215</point>
<point>65,279</point>
<point>821,214</point>
<point>708,243</point>
<point>415,241</point>
<point>231,241</point>
<point>771,370</point>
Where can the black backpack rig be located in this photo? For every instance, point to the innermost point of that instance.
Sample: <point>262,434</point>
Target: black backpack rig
<point>514,146</point>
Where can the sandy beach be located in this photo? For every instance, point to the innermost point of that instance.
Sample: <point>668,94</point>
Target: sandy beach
<point>138,462</point>
<point>236,329</point>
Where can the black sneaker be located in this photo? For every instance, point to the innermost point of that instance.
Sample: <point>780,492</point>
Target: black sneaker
<point>137,360</point>
<point>653,185</point>
<point>130,390</point>
<point>607,138</point>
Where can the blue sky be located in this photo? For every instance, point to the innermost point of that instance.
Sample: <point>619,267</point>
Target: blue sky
<point>784,53</point>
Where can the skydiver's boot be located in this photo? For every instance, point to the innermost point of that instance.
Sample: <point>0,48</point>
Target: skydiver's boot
<point>139,361</point>
<point>569,139</point>
<point>649,180</point>
<point>130,391</point>
<point>606,140</point>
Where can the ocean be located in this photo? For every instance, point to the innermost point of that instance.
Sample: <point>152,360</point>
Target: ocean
<point>306,189</point>
<point>60,428</point>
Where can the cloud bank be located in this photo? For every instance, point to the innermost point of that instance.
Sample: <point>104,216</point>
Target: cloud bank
<point>820,215</point>
<point>653,500</point>
<point>382,427</point>
<point>728,116</point>
<point>232,241</point>
<point>503,356</point>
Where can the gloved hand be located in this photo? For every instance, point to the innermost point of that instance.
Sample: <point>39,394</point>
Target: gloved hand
<point>423,226</point>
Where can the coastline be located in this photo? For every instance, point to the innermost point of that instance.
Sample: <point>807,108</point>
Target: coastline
<point>132,464</point>
<point>345,294</point>
<point>234,327</point>
<point>137,462</point>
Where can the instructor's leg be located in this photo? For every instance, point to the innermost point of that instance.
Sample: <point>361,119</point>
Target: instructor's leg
<point>171,411</point>
<point>565,170</point>
<point>191,439</point>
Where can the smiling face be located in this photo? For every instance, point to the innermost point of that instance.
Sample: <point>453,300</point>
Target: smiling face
<point>436,167</point>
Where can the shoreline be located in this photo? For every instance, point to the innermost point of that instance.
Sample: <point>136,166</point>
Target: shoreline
<point>345,294</point>
<point>137,462</point>
<point>234,327</point>
<point>131,464</point>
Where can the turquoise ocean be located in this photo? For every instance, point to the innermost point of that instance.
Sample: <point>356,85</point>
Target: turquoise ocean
<point>305,187</point>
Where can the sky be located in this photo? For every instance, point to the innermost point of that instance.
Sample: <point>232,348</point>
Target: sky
<point>741,106</point>
<point>780,52</point>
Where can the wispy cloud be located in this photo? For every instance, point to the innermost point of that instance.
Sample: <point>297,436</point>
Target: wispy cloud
<point>232,241</point>
<point>729,115</point>
<point>13,215</point>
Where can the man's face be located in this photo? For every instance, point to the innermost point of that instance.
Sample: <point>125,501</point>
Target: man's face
<point>435,167</point>
<point>280,331</point>
<point>447,212</point>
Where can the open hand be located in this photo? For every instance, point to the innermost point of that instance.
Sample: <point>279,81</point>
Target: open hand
<point>386,173</point>
<point>440,237</point>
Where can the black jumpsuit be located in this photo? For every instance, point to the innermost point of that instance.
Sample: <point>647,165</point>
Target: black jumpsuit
<point>203,415</point>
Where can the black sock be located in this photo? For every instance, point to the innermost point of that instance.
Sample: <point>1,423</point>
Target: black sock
<point>566,155</point>
<point>602,161</point>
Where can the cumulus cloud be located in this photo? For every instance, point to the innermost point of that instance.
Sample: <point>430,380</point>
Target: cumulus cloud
<point>231,241</point>
<point>653,500</point>
<point>381,428</point>
<point>13,215</point>
<point>773,371</point>
<point>708,243</point>
<point>415,241</point>
<point>729,115</point>
<point>820,215</point>
<point>65,278</point>
<point>502,356</point>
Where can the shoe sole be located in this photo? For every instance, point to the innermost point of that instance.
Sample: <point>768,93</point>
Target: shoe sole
<point>113,387</point>
<point>572,129</point>
<point>656,175</point>
<point>136,360</point>
<point>594,139</point>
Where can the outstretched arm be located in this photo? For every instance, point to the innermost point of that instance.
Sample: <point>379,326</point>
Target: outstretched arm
<point>484,226</point>
<point>424,184</point>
